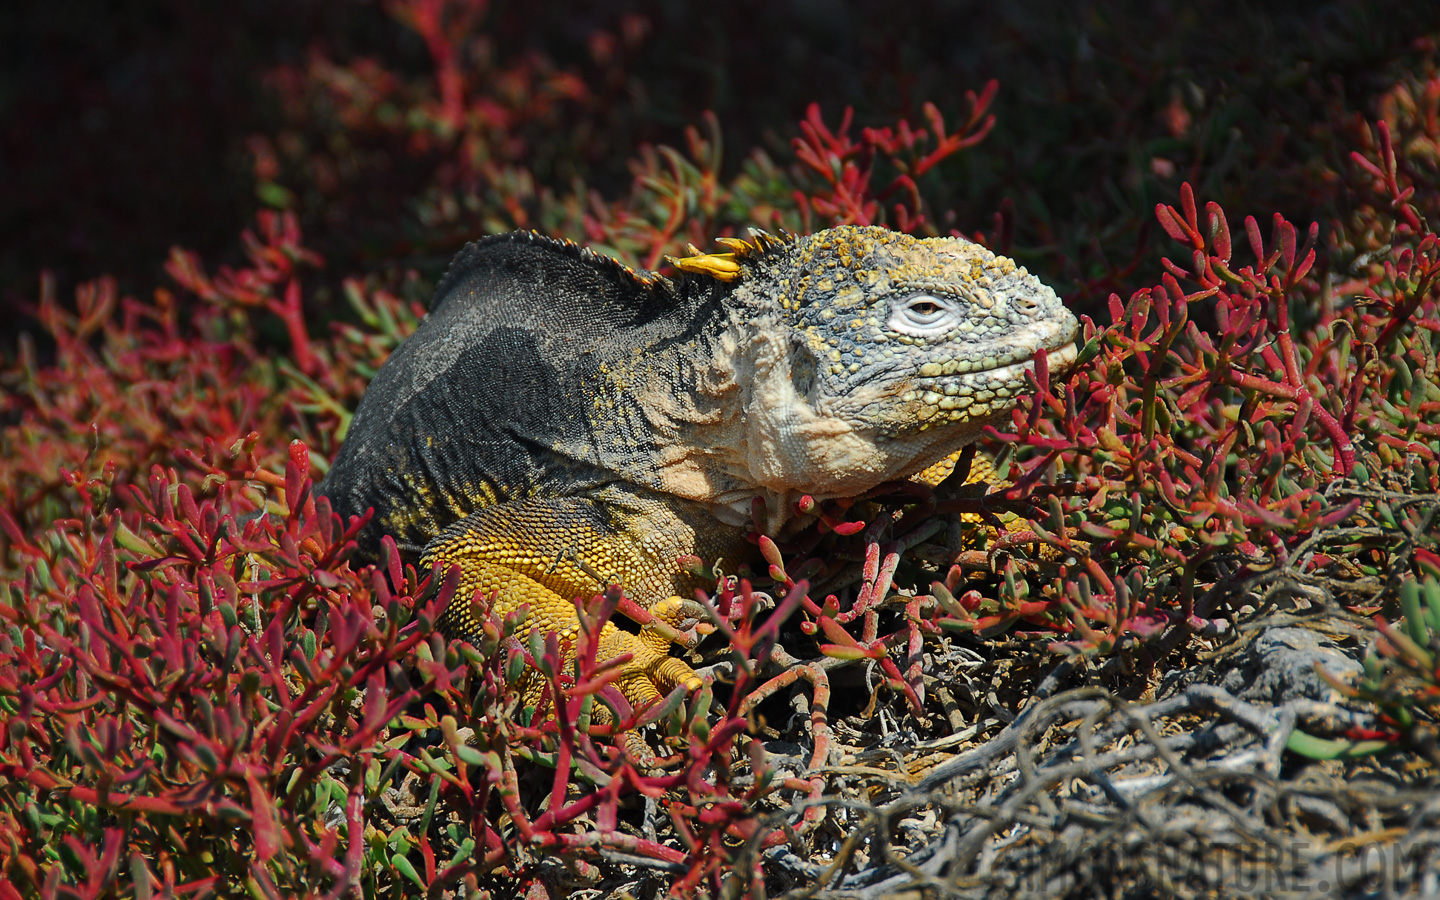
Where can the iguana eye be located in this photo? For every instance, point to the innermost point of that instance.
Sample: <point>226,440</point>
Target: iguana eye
<point>923,315</point>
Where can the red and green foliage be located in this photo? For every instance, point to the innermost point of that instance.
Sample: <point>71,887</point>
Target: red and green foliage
<point>202,692</point>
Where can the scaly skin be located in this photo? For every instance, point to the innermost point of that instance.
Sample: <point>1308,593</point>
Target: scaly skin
<point>560,422</point>
<point>538,552</point>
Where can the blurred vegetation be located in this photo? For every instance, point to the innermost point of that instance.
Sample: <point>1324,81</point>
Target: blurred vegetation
<point>127,129</point>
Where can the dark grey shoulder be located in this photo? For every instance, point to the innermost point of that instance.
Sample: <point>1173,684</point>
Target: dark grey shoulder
<point>498,394</point>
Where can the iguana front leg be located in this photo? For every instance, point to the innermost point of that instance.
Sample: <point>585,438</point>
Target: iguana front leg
<point>545,552</point>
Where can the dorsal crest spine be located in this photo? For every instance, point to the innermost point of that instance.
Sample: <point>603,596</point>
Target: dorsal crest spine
<point>726,266</point>
<point>472,257</point>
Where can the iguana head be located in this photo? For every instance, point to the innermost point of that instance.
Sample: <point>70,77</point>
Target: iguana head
<point>863,354</point>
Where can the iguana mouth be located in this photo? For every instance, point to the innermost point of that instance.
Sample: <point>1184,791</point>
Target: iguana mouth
<point>962,390</point>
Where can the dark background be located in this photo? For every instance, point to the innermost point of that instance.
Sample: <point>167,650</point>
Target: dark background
<point>124,125</point>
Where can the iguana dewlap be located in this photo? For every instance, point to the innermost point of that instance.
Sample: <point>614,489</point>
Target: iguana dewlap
<point>558,416</point>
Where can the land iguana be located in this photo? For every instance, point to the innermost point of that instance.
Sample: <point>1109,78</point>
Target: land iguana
<point>559,418</point>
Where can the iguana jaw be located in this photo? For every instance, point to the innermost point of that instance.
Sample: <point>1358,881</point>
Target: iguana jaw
<point>881,430</point>
<point>780,445</point>
<point>946,395</point>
